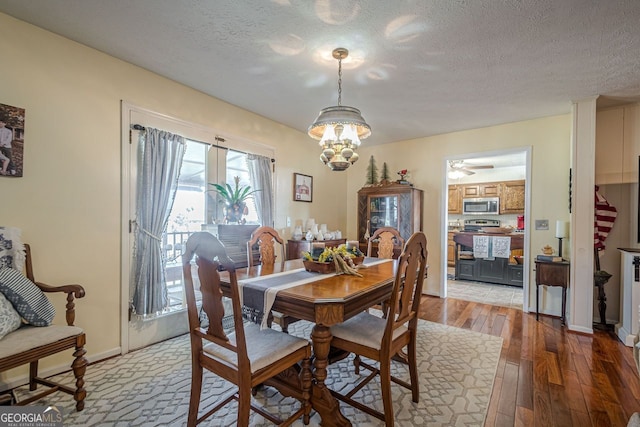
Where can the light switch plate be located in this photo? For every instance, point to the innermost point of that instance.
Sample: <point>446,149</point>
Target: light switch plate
<point>542,224</point>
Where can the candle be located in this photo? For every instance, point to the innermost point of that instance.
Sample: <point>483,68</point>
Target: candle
<point>562,229</point>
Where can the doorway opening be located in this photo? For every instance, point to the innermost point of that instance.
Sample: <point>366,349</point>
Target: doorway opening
<point>486,232</point>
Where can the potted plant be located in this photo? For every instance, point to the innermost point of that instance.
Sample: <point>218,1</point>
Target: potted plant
<point>234,199</point>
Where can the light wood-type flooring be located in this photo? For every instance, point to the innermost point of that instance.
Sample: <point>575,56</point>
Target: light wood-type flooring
<point>548,375</point>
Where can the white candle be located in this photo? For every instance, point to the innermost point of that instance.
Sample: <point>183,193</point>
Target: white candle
<point>562,229</point>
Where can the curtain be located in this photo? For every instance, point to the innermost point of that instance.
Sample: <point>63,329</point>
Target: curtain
<point>261,177</point>
<point>160,158</point>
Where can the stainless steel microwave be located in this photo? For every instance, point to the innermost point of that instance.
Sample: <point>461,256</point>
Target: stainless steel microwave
<point>481,206</point>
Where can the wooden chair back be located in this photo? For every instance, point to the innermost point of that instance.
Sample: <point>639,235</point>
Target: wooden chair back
<point>407,288</point>
<point>388,239</point>
<point>210,254</point>
<point>266,239</point>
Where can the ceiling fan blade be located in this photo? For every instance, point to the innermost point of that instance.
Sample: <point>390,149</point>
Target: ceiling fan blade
<point>479,167</point>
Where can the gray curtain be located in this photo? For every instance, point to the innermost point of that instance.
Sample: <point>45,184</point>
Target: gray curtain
<point>261,176</point>
<point>160,157</point>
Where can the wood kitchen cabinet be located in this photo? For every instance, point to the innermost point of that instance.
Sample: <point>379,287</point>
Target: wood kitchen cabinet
<point>391,205</point>
<point>617,144</point>
<point>490,189</point>
<point>451,250</point>
<point>512,197</point>
<point>511,194</point>
<point>454,205</point>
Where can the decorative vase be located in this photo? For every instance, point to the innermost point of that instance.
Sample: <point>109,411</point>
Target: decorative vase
<point>297,233</point>
<point>309,236</point>
<point>233,212</point>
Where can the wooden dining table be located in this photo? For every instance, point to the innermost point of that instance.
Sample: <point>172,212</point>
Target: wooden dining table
<point>327,301</point>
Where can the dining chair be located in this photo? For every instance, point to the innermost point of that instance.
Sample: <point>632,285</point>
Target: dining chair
<point>388,239</point>
<point>270,353</point>
<point>266,238</point>
<point>380,339</point>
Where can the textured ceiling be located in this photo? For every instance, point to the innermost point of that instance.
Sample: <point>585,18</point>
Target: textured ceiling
<point>416,68</point>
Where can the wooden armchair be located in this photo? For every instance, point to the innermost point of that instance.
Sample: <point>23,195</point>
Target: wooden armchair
<point>29,344</point>
<point>388,239</point>
<point>266,238</point>
<point>247,357</point>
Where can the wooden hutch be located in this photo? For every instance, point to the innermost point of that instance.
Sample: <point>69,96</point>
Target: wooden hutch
<point>389,205</point>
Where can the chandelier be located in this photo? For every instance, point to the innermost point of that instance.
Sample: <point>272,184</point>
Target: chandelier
<point>339,128</point>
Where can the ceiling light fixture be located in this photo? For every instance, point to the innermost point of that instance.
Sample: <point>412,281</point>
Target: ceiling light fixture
<point>339,128</point>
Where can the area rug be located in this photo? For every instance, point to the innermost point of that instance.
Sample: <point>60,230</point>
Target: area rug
<point>150,387</point>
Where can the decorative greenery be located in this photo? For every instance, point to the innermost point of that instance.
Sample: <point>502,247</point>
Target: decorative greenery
<point>340,256</point>
<point>372,172</point>
<point>385,173</point>
<point>236,195</point>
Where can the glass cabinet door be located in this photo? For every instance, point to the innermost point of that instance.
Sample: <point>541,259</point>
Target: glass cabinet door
<point>383,212</point>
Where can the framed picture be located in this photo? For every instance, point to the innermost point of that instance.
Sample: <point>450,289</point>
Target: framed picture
<point>12,125</point>
<point>302,187</point>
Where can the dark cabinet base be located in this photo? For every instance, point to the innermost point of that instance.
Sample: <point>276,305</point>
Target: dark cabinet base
<point>497,271</point>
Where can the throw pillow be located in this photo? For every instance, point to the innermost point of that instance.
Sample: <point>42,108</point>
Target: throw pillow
<point>26,297</point>
<point>9,318</point>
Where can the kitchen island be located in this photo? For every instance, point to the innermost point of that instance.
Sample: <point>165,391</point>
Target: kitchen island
<point>490,270</point>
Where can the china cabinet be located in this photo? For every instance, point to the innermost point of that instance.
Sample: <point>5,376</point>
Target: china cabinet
<point>391,205</point>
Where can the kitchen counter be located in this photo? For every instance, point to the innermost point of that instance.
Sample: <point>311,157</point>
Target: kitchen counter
<point>490,270</point>
<point>465,238</point>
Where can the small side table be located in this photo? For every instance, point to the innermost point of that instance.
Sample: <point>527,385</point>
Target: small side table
<point>553,274</point>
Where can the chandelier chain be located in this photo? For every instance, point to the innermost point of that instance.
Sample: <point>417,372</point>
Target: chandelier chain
<point>339,82</point>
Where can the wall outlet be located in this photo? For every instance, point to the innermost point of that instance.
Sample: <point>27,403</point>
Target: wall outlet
<point>288,221</point>
<point>542,224</point>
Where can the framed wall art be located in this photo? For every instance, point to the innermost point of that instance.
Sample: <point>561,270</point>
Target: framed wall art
<point>302,187</point>
<point>11,141</point>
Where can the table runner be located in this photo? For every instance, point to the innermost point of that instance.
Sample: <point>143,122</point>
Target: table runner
<point>258,294</point>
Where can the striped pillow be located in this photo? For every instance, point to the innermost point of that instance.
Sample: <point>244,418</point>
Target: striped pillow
<point>28,300</point>
<point>9,318</point>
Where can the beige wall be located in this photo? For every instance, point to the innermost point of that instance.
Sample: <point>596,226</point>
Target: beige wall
<point>68,202</point>
<point>549,139</point>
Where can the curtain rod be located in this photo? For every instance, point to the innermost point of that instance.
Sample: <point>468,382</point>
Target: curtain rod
<point>217,138</point>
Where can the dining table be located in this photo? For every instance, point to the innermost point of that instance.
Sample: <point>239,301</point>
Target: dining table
<point>324,300</point>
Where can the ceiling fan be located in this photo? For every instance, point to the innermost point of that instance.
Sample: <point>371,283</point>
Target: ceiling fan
<point>459,168</point>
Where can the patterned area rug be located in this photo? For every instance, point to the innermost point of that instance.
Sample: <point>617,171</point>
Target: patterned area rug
<point>150,387</point>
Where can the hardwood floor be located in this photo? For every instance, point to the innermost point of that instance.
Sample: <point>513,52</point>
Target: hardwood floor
<point>548,375</point>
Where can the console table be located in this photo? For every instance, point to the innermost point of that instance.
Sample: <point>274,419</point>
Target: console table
<point>296,247</point>
<point>553,274</point>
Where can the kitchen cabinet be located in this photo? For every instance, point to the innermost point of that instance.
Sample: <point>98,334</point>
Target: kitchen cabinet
<point>617,144</point>
<point>490,270</point>
<point>490,189</point>
<point>510,193</point>
<point>455,199</point>
<point>391,205</point>
<point>512,197</point>
<point>451,250</point>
